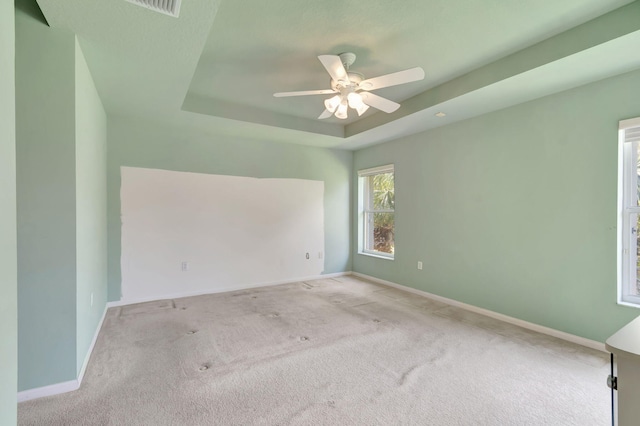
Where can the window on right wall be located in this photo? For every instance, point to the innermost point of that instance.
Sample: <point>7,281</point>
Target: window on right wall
<point>629,212</point>
<point>376,211</point>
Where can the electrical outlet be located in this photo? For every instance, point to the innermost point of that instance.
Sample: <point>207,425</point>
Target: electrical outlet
<point>307,256</point>
<point>184,266</point>
<point>420,265</point>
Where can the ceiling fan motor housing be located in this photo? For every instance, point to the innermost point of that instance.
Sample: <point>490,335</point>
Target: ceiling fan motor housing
<point>347,59</point>
<point>354,80</point>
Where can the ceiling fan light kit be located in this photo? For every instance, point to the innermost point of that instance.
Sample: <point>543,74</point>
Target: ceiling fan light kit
<point>352,90</point>
<point>341,111</point>
<point>332,103</point>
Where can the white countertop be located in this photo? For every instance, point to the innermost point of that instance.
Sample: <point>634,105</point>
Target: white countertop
<point>626,341</point>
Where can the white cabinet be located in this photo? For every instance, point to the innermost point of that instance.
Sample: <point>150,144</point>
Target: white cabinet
<point>625,346</point>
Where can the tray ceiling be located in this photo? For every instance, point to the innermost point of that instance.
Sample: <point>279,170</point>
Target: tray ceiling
<point>218,64</point>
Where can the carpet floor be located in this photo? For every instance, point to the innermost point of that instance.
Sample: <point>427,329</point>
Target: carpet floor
<point>337,351</point>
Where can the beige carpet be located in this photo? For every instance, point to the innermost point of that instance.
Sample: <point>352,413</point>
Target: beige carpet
<point>328,352</point>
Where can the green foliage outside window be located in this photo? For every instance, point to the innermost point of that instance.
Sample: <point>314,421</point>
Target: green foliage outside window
<point>383,223</point>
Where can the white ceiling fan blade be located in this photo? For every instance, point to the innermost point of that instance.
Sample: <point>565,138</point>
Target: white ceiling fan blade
<point>325,114</point>
<point>333,65</point>
<point>379,102</point>
<point>393,79</point>
<point>304,93</point>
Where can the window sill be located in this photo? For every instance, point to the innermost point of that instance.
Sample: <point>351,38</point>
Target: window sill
<point>629,304</point>
<point>379,256</point>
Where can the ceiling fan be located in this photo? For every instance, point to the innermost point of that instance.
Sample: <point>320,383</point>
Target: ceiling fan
<point>352,90</point>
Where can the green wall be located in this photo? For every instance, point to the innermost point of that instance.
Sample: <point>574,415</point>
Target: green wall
<point>8,273</point>
<point>91,206</point>
<point>45,105</point>
<point>61,202</point>
<point>137,143</point>
<point>515,211</point>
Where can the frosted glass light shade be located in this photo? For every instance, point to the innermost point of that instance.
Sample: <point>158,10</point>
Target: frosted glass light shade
<point>341,112</point>
<point>355,100</point>
<point>332,103</point>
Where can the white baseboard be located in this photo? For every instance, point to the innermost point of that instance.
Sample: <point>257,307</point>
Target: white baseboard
<point>64,387</point>
<point>56,389</point>
<point>125,302</point>
<point>511,320</point>
<point>91,346</point>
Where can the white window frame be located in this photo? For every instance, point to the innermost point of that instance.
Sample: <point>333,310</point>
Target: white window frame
<point>628,140</point>
<point>365,206</point>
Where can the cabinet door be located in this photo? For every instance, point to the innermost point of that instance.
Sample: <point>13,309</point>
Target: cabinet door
<point>628,394</point>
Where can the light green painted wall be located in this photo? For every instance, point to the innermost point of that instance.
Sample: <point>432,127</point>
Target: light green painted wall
<point>91,206</point>
<point>8,249</point>
<point>515,211</point>
<point>137,143</point>
<point>45,105</point>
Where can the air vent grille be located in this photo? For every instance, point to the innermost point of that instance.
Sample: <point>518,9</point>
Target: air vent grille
<point>168,7</point>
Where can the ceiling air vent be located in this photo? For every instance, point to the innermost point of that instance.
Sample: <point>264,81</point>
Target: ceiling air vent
<point>168,7</point>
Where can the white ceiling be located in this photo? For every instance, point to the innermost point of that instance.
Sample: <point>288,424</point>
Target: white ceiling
<point>218,64</point>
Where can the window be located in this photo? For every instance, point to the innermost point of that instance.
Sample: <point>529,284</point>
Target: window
<point>376,220</point>
<point>629,213</point>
